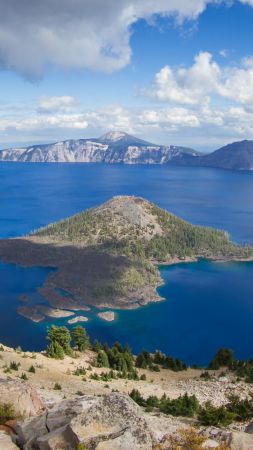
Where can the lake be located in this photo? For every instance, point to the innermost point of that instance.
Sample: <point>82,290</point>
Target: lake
<point>207,305</point>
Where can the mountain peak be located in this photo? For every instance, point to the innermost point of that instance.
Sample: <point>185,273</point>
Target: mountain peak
<point>113,136</point>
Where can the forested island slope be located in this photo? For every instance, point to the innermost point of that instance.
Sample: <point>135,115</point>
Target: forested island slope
<point>108,256</point>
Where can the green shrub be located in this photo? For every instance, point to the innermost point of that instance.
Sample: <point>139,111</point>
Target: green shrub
<point>223,357</point>
<point>14,365</point>
<point>242,408</point>
<point>184,405</point>
<point>137,397</point>
<point>7,412</point>
<point>81,447</point>
<point>32,369</point>
<point>57,387</point>
<point>205,376</point>
<point>80,371</point>
<point>23,376</point>
<point>94,376</point>
<point>210,415</point>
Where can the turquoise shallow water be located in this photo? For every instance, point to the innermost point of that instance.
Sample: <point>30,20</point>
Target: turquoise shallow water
<point>207,305</point>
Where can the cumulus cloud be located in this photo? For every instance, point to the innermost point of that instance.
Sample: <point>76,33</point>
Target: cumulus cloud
<point>188,86</point>
<point>78,34</point>
<point>204,79</point>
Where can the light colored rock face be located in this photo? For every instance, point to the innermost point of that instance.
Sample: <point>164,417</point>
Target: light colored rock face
<point>114,147</point>
<point>109,422</point>
<point>127,211</point>
<point>6,442</point>
<point>241,441</point>
<point>23,397</point>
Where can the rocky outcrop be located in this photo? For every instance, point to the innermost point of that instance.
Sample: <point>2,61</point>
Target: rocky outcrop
<point>107,422</point>
<point>23,397</point>
<point>241,441</point>
<point>110,422</point>
<point>111,148</point>
<point>6,442</point>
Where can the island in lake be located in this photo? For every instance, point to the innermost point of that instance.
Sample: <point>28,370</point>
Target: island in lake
<point>109,316</point>
<point>109,256</point>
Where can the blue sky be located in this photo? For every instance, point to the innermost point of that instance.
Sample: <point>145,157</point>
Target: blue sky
<point>170,71</point>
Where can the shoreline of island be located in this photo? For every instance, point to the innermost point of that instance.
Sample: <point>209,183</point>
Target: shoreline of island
<point>60,306</point>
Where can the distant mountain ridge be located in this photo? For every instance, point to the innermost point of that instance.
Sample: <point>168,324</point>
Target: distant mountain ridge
<point>117,147</point>
<point>113,147</point>
<point>235,156</point>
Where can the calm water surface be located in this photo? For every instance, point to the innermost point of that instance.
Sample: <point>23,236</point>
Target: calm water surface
<point>208,304</point>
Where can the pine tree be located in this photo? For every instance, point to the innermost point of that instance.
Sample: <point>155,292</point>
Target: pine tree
<point>80,338</point>
<point>62,336</point>
<point>97,346</point>
<point>55,350</point>
<point>102,359</point>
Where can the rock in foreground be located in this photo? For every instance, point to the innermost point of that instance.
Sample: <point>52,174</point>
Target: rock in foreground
<point>22,396</point>
<point>112,422</point>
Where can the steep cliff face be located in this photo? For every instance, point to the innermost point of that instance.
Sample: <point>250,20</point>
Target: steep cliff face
<point>111,148</point>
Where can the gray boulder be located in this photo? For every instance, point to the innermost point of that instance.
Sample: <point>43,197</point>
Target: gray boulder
<point>108,422</point>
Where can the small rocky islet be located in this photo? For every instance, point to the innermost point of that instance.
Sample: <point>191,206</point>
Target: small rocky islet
<point>108,256</point>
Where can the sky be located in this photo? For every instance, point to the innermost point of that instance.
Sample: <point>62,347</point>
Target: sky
<point>173,72</point>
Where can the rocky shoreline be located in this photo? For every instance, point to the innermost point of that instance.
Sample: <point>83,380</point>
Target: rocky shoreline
<point>78,270</point>
<point>109,256</point>
<point>37,313</point>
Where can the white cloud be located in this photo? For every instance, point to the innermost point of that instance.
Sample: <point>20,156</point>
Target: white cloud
<point>204,79</point>
<point>65,103</point>
<point>30,123</point>
<point>173,118</point>
<point>187,86</point>
<point>78,34</point>
<point>192,125</point>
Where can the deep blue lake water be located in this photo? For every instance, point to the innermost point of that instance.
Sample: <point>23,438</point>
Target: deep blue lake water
<point>208,304</point>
